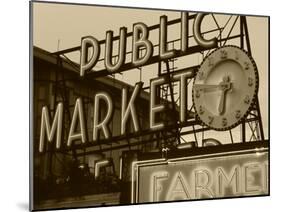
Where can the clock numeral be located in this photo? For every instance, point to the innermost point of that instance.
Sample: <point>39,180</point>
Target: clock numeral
<point>246,65</point>
<point>238,114</point>
<point>223,54</point>
<point>197,93</point>
<point>247,100</point>
<point>210,61</point>
<point>201,110</point>
<point>224,122</point>
<point>211,119</point>
<point>250,81</point>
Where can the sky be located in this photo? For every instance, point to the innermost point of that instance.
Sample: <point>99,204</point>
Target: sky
<point>61,26</point>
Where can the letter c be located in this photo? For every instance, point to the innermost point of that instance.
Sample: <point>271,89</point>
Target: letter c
<point>198,35</point>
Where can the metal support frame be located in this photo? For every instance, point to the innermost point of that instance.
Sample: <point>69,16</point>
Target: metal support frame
<point>245,34</point>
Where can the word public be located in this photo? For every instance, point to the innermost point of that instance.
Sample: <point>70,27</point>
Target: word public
<point>140,41</point>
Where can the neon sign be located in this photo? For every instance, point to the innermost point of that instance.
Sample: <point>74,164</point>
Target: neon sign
<point>140,42</point>
<point>50,128</point>
<point>243,173</point>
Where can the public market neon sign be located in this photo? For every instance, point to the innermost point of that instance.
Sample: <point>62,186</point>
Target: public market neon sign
<point>140,41</point>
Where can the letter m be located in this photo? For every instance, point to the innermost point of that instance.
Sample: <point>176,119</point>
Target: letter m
<point>50,130</point>
<point>225,180</point>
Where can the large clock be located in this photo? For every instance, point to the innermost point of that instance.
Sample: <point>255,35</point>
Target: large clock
<point>225,87</point>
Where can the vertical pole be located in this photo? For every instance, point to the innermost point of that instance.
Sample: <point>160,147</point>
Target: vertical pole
<point>243,126</point>
<point>158,93</point>
<point>51,145</point>
<point>260,119</point>
<point>231,137</point>
<point>241,33</point>
<point>177,134</point>
<point>247,36</point>
<point>159,74</point>
<point>243,132</point>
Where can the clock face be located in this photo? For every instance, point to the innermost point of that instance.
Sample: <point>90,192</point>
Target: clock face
<point>225,87</point>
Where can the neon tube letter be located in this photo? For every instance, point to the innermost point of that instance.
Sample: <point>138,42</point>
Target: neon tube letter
<point>84,63</point>
<point>50,130</point>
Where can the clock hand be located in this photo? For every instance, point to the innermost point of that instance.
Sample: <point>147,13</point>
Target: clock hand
<point>225,86</point>
<point>222,85</point>
<point>205,87</point>
<point>222,101</point>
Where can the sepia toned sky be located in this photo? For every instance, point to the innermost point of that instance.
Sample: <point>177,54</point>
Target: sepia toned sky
<point>61,26</point>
